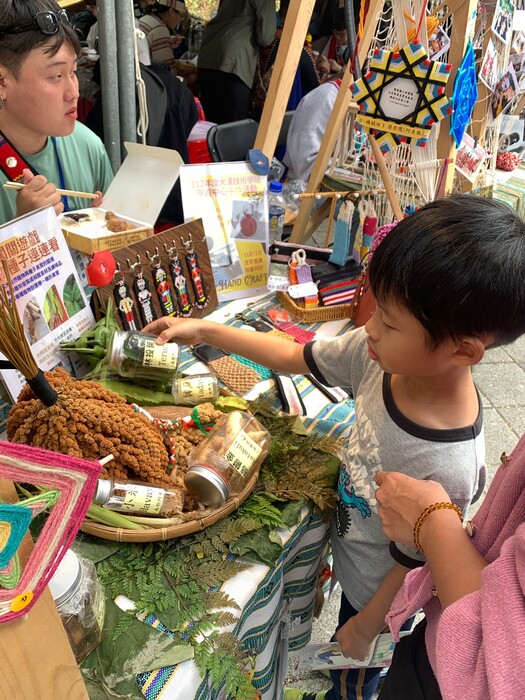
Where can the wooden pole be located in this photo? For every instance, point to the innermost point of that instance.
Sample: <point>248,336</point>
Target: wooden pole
<point>288,54</point>
<point>385,176</point>
<point>334,126</point>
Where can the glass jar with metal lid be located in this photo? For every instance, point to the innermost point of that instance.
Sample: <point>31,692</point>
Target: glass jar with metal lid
<point>79,598</point>
<point>223,463</point>
<point>136,354</point>
<point>194,389</point>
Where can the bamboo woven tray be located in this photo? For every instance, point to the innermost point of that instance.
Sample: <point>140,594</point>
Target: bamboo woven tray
<point>157,534</point>
<point>317,315</point>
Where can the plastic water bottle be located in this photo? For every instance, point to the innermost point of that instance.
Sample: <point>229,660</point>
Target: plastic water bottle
<point>276,211</point>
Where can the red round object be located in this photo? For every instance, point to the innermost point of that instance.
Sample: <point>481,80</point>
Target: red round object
<point>248,225</point>
<point>101,269</point>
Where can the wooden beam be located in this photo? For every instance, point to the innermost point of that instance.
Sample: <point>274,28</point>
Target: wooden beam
<point>288,54</point>
<point>334,126</point>
<point>385,176</point>
<point>446,147</point>
<point>317,218</point>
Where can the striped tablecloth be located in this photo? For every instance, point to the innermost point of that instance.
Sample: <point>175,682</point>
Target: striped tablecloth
<point>276,608</point>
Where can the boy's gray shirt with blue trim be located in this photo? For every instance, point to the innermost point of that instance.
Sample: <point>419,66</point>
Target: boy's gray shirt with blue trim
<point>383,439</point>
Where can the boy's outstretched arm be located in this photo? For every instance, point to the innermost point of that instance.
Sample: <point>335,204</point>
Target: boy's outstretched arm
<point>358,633</point>
<point>263,348</point>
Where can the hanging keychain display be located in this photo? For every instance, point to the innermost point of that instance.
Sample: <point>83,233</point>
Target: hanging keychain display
<point>162,286</point>
<point>125,303</point>
<point>142,292</point>
<point>201,296</point>
<point>179,281</point>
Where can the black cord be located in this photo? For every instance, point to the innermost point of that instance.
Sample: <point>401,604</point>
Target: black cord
<point>349,14</point>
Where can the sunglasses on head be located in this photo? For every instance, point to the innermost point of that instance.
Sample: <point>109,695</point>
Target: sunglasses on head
<point>47,22</point>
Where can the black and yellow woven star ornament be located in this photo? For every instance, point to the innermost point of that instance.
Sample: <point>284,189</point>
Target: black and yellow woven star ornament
<point>402,96</point>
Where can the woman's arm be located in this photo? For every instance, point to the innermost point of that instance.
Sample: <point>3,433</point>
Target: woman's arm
<point>455,563</point>
<point>263,348</point>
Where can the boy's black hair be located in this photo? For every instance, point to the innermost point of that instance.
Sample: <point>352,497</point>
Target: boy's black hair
<point>458,265</point>
<point>14,48</point>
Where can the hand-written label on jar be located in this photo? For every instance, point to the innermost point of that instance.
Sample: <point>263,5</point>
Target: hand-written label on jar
<point>242,453</point>
<point>197,389</point>
<point>143,499</point>
<point>163,356</point>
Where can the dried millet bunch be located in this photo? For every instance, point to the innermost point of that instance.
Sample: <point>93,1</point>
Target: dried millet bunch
<point>185,438</point>
<point>91,422</point>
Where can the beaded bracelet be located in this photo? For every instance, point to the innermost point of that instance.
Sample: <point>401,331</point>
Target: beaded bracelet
<point>424,515</point>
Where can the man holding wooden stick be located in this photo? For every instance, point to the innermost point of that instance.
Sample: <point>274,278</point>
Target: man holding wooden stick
<point>41,143</point>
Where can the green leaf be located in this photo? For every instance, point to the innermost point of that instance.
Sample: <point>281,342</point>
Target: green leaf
<point>98,690</point>
<point>298,427</point>
<point>292,512</point>
<point>94,548</point>
<point>231,403</point>
<point>275,537</point>
<point>114,665</point>
<point>173,655</point>
<point>257,547</point>
<point>133,393</point>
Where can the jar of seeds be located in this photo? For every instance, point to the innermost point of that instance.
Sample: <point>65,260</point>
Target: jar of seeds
<point>136,354</point>
<point>223,463</point>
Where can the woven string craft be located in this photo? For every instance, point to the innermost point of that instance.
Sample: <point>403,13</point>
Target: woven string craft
<point>75,480</point>
<point>238,377</point>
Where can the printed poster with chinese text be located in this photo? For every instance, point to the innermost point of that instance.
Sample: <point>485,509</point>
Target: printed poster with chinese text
<point>232,202</point>
<point>49,296</point>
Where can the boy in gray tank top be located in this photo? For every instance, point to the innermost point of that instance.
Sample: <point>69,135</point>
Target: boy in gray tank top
<point>449,282</point>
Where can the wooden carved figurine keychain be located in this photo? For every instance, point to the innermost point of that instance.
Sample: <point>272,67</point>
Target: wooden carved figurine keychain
<point>179,281</point>
<point>201,297</point>
<point>162,286</point>
<point>142,292</point>
<point>125,303</point>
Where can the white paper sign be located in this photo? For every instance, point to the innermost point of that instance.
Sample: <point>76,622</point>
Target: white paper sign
<point>231,200</point>
<point>49,295</point>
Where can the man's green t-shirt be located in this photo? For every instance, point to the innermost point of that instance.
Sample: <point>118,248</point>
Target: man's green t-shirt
<point>85,166</point>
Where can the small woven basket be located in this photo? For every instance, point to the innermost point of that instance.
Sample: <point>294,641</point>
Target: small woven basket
<point>157,534</point>
<point>317,315</point>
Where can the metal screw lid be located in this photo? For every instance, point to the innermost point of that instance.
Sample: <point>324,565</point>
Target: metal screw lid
<point>66,580</point>
<point>103,491</point>
<point>114,352</point>
<point>206,485</point>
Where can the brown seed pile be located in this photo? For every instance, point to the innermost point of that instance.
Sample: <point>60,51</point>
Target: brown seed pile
<point>91,422</point>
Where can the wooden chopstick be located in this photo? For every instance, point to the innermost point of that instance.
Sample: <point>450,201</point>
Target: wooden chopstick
<point>67,193</point>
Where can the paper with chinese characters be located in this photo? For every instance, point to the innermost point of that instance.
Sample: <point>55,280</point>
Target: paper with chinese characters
<point>49,296</point>
<point>232,202</point>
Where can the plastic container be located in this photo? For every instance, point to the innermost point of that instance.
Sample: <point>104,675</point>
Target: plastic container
<point>80,602</point>
<point>276,207</point>
<point>195,389</point>
<point>136,354</point>
<point>136,497</point>
<point>223,463</point>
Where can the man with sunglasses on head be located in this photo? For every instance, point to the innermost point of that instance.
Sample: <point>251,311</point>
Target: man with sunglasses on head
<point>38,112</point>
